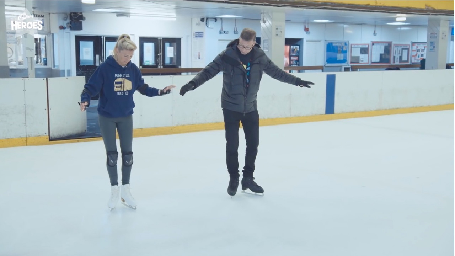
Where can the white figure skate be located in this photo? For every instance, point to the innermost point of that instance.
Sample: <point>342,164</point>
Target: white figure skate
<point>127,198</point>
<point>115,191</point>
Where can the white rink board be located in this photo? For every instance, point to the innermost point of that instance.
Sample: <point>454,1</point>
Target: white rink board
<point>65,116</point>
<point>202,105</point>
<point>137,115</point>
<point>417,88</point>
<point>309,101</point>
<point>379,90</point>
<point>358,91</point>
<point>12,108</point>
<point>354,92</point>
<point>36,107</point>
<point>157,111</point>
<point>274,98</point>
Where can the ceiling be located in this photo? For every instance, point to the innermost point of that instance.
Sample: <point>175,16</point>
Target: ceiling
<point>173,8</point>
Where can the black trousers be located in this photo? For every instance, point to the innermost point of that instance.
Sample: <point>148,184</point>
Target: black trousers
<point>250,123</point>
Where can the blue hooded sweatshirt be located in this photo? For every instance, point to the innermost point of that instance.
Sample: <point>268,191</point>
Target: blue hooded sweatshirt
<point>116,85</point>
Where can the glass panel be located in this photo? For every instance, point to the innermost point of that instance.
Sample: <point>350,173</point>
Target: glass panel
<point>149,54</point>
<point>14,49</point>
<point>86,53</point>
<point>109,49</point>
<point>40,50</point>
<point>55,39</point>
<point>170,52</point>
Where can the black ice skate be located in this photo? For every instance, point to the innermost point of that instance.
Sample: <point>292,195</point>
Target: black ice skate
<point>249,185</point>
<point>233,185</point>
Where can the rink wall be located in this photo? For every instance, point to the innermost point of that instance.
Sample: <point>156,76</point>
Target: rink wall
<point>34,111</point>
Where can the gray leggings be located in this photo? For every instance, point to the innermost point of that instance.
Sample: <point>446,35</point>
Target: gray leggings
<point>124,126</point>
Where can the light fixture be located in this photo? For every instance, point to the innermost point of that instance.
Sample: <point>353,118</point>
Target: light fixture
<point>106,10</point>
<point>404,28</point>
<point>126,15</point>
<point>400,18</point>
<point>88,1</point>
<point>397,23</point>
<point>322,21</point>
<point>14,8</point>
<point>13,13</point>
<point>228,16</point>
<point>145,17</point>
<point>139,17</point>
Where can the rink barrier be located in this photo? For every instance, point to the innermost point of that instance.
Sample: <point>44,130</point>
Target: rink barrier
<point>34,111</point>
<point>156,131</point>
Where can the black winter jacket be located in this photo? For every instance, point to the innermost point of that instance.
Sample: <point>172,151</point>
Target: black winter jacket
<point>236,96</point>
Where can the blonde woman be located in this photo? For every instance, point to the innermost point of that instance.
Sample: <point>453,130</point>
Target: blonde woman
<point>115,81</point>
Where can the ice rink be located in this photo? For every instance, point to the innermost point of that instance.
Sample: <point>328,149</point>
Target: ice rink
<point>354,187</point>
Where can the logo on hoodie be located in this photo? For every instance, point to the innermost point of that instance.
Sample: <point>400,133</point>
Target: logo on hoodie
<point>122,86</point>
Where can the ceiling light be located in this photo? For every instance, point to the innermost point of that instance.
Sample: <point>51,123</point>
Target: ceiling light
<point>106,10</point>
<point>404,28</point>
<point>88,1</point>
<point>13,13</point>
<point>14,8</point>
<point>228,16</point>
<point>140,17</point>
<point>127,15</point>
<point>322,21</point>
<point>398,23</point>
<point>400,19</point>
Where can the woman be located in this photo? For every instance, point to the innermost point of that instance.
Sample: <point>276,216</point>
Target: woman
<point>115,81</point>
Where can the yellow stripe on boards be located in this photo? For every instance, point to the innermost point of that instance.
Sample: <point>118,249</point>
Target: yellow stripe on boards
<point>14,142</point>
<point>146,132</point>
<point>305,119</point>
<point>439,5</point>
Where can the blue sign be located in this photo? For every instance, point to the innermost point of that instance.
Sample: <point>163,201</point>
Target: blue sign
<point>336,53</point>
<point>198,34</point>
<point>451,32</point>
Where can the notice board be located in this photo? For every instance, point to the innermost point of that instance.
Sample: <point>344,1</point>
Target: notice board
<point>418,51</point>
<point>336,53</point>
<point>360,54</point>
<point>381,52</point>
<point>401,53</point>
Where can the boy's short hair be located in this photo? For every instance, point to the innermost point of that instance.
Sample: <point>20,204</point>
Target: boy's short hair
<point>248,34</point>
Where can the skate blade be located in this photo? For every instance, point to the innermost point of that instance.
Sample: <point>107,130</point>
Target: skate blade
<point>248,191</point>
<point>127,205</point>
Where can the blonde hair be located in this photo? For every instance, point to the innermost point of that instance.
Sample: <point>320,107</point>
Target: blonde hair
<point>124,43</point>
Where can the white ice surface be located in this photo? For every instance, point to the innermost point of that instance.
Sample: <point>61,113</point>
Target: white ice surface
<point>367,186</point>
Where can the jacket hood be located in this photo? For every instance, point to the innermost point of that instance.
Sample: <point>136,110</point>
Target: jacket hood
<point>112,62</point>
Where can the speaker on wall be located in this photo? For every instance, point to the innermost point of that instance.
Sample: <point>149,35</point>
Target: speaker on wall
<point>76,25</point>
